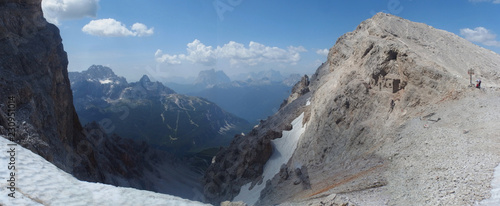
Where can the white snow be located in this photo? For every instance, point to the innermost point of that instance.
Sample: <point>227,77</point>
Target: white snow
<point>494,200</point>
<point>38,182</point>
<point>283,149</point>
<point>106,81</point>
<point>225,128</point>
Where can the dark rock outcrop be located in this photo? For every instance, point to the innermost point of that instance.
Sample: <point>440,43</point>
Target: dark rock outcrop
<point>36,104</point>
<point>33,70</point>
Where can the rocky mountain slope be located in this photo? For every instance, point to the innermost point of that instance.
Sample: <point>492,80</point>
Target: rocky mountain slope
<point>391,120</point>
<point>37,112</point>
<point>149,111</point>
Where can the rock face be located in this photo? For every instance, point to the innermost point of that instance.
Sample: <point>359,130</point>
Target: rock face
<point>299,89</point>
<point>36,105</point>
<point>33,70</point>
<point>385,123</point>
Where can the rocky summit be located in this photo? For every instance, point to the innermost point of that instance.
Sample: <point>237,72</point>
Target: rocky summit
<point>390,119</point>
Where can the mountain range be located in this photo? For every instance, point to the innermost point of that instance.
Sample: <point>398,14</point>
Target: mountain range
<point>149,111</point>
<point>390,118</point>
<point>255,97</point>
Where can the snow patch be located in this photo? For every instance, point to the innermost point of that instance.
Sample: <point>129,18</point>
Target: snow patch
<point>283,149</point>
<point>106,81</point>
<point>225,128</point>
<point>494,200</point>
<point>38,182</point>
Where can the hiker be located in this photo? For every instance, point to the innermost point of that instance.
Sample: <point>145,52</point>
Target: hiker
<point>478,83</point>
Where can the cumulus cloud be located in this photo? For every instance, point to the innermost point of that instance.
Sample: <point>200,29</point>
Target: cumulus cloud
<point>237,53</point>
<point>198,52</point>
<point>56,10</point>
<point>480,35</point>
<point>114,28</point>
<point>142,30</point>
<point>166,58</point>
<point>322,52</point>
<point>257,53</point>
<point>492,1</point>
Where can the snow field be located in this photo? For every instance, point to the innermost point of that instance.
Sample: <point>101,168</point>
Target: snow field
<point>38,182</point>
<point>283,149</point>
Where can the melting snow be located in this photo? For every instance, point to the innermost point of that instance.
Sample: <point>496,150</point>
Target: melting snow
<point>283,149</point>
<point>225,128</point>
<point>495,189</point>
<point>38,182</point>
<point>106,81</point>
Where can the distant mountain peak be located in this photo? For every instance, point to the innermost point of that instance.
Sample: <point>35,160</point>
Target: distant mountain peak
<point>145,78</point>
<point>99,71</point>
<point>210,78</point>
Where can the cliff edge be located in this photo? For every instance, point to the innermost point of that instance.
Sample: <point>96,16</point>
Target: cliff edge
<point>37,112</point>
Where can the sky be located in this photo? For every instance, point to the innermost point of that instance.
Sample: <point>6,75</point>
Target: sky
<point>173,40</point>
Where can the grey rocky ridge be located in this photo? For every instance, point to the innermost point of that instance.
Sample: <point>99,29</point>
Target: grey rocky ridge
<point>392,120</point>
<point>34,79</point>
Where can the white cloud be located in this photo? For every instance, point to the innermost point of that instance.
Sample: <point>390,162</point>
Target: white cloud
<point>165,58</point>
<point>56,10</point>
<point>322,52</point>
<point>492,1</point>
<point>480,35</point>
<point>113,28</point>
<point>257,53</point>
<point>237,53</point>
<point>198,52</point>
<point>142,30</point>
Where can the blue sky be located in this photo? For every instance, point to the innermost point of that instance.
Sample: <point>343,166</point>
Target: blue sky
<point>175,39</point>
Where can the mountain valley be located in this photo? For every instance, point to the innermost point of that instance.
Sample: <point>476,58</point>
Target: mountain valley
<point>390,118</point>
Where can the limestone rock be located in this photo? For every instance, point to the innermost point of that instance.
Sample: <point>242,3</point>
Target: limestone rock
<point>299,89</point>
<point>365,140</point>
